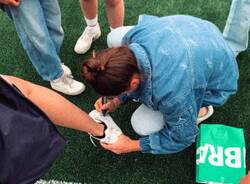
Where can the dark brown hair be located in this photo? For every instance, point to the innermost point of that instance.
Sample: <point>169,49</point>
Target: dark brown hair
<point>110,71</point>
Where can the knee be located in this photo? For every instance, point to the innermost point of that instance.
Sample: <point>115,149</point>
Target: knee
<point>114,38</point>
<point>113,3</point>
<point>145,121</point>
<point>136,124</point>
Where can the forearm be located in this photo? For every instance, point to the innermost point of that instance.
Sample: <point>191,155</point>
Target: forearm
<point>57,108</point>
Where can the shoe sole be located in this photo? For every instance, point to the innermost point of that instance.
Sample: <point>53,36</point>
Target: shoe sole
<point>70,94</point>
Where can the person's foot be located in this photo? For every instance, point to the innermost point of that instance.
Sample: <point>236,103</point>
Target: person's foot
<point>66,84</point>
<point>85,40</point>
<point>111,129</point>
<point>205,113</point>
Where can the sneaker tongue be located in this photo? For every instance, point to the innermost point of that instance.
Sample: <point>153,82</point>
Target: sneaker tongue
<point>105,128</point>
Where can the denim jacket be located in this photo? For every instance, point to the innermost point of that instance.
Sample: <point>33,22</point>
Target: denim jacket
<point>185,64</point>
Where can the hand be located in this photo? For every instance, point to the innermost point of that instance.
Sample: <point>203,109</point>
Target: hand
<point>123,145</point>
<point>10,2</point>
<point>246,179</point>
<point>110,106</point>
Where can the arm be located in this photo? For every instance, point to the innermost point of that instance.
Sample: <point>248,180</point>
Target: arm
<point>178,135</point>
<point>10,2</point>
<point>57,108</point>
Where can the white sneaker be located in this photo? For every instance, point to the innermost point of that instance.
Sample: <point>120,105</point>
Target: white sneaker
<point>112,131</point>
<point>66,69</point>
<point>85,40</point>
<point>67,85</point>
<point>210,111</point>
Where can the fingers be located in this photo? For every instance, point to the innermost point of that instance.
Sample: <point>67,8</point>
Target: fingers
<point>109,147</point>
<point>108,106</point>
<point>98,105</point>
<point>104,145</point>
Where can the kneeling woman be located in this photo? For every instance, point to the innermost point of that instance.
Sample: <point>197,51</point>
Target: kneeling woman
<point>175,66</point>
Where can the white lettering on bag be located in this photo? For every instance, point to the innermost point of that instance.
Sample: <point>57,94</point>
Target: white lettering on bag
<point>231,157</point>
<point>216,158</point>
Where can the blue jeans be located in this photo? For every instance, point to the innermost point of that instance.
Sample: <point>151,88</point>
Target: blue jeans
<point>237,27</point>
<point>38,24</point>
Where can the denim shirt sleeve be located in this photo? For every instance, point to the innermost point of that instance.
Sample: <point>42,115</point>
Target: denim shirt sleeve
<point>124,98</point>
<point>178,133</point>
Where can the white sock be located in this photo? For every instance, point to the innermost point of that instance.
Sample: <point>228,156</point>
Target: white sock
<point>92,23</point>
<point>111,29</point>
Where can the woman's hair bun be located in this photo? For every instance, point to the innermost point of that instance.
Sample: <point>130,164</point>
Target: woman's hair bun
<point>90,69</point>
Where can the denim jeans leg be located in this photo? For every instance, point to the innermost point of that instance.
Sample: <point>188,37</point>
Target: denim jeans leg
<point>33,32</point>
<point>237,26</point>
<point>146,121</point>
<point>52,14</point>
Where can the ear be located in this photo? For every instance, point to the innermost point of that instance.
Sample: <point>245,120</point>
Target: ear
<point>134,82</point>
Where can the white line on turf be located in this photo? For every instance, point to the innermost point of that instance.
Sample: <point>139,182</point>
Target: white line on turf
<point>54,182</point>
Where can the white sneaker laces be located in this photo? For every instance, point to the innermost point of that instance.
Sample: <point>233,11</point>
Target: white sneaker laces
<point>91,137</point>
<point>67,79</point>
<point>87,35</point>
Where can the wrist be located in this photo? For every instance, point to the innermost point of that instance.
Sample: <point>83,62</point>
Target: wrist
<point>98,130</point>
<point>135,145</point>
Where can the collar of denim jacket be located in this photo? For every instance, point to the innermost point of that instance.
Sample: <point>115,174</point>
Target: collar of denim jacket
<point>144,91</point>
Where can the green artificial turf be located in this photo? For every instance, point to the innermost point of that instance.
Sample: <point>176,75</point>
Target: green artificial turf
<point>81,161</point>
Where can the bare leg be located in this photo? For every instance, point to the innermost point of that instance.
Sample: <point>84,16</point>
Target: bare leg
<point>115,12</point>
<point>92,31</point>
<point>89,8</point>
<point>60,111</point>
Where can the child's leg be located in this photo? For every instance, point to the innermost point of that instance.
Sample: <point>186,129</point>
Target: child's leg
<point>115,13</point>
<point>52,15</point>
<point>92,31</point>
<point>237,26</point>
<point>89,8</point>
<point>33,32</point>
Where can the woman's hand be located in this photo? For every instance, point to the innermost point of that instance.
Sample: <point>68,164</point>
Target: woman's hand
<point>10,2</point>
<point>110,106</point>
<point>123,145</point>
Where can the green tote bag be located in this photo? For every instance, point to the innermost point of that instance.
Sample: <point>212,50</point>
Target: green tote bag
<point>220,154</point>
